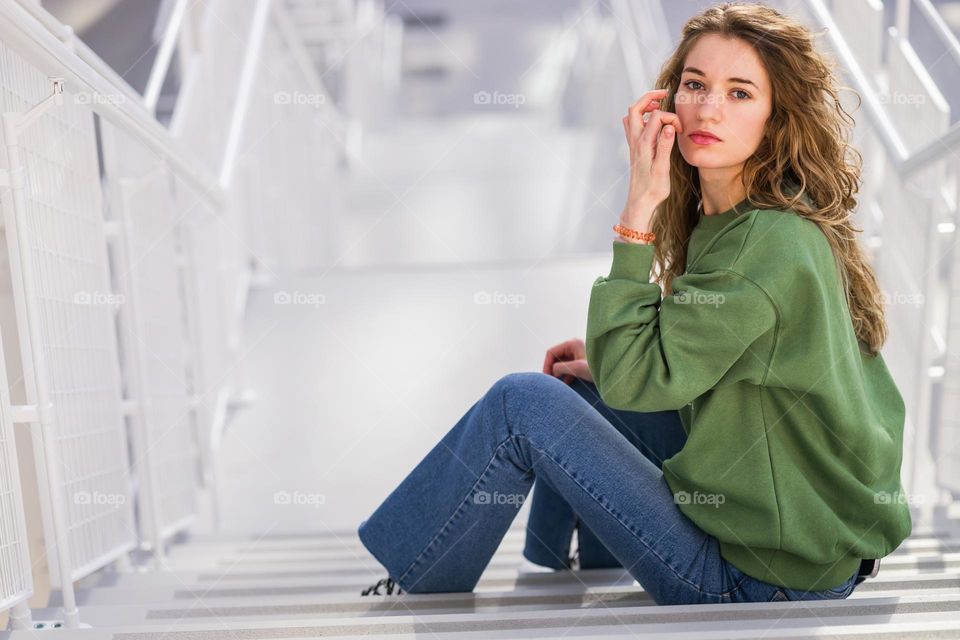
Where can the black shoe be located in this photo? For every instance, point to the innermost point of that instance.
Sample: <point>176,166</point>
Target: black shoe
<point>390,585</point>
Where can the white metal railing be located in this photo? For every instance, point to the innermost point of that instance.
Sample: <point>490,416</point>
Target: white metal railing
<point>153,334</point>
<point>150,337</point>
<point>62,292</point>
<point>161,64</point>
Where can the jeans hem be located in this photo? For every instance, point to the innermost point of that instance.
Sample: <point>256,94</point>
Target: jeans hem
<point>377,557</point>
<point>539,560</point>
<point>453,517</point>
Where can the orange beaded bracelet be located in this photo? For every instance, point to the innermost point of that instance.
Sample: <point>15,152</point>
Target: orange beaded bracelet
<point>643,236</point>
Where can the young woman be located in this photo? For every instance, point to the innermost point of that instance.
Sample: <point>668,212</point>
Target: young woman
<point>736,438</point>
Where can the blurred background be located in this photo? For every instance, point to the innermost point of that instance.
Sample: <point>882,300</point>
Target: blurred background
<point>260,255</point>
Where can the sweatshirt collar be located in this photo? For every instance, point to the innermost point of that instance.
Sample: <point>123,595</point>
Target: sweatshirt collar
<point>717,221</point>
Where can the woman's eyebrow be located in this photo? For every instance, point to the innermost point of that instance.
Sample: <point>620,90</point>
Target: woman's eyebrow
<point>741,80</point>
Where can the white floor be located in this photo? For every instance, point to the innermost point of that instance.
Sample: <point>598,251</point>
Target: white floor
<point>353,392</point>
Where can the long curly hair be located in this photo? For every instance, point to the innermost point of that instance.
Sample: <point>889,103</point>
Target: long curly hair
<point>805,144</point>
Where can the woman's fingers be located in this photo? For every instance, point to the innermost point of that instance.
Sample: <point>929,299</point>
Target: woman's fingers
<point>651,133</point>
<point>656,122</point>
<point>548,363</point>
<point>556,353</point>
<point>661,162</point>
<point>638,108</point>
<point>575,368</point>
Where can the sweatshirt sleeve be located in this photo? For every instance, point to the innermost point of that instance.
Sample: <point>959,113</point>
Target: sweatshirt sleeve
<point>648,353</point>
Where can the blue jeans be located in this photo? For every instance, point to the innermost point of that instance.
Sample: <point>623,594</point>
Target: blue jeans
<point>439,528</point>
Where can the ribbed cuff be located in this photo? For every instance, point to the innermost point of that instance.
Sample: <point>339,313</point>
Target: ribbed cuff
<point>631,261</point>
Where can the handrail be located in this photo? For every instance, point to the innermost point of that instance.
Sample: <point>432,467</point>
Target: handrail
<point>902,160</point>
<point>64,33</point>
<point>943,30</point>
<point>161,64</point>
<point>934,150</point>
<point>248,73</point>
<point>27,23</point>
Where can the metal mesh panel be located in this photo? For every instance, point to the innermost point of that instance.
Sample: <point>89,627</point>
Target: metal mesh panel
<point>204,232</point>
<point>154,333</point>
<point>76,309</point>
<point>15,575</point>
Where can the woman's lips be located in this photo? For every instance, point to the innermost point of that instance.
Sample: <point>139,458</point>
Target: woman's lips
<point>703,139</point>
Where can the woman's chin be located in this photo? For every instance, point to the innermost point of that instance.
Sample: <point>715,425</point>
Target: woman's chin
<point>703,160</point>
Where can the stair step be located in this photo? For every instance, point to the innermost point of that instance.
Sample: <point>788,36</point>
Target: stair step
<point>278,573</point>
<point>347,548</point>
<point>544,597</point>
<point>926,616</point>
<point>491,580</point>
<point>291,572</point>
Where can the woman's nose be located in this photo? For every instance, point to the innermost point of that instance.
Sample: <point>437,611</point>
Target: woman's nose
<point>708,105</point>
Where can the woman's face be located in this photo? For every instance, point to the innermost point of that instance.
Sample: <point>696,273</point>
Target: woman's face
<point>723,89</point>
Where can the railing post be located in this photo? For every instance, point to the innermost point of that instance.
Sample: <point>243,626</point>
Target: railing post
<point>20,616</point>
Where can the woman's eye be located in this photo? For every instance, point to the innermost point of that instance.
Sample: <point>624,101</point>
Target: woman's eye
<point>736,91</point>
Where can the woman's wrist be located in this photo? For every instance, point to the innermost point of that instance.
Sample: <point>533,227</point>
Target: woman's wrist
<point>637,217</point>
<point>625,240</point>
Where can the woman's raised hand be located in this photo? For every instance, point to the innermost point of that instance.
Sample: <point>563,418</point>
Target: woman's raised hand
<point>650,145</point>
<point>568,360</point>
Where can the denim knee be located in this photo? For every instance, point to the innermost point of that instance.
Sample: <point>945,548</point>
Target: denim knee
<point>535,385</point>
<point>527,394</point>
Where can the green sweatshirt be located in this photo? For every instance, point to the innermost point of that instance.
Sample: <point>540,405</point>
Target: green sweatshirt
<point>794,437</point>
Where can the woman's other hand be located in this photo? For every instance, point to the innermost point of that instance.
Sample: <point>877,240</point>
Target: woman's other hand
<point>650,145</point>
<point>568,360</point>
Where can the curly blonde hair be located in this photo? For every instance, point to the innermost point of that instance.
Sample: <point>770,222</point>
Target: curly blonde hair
<point>804,152</point>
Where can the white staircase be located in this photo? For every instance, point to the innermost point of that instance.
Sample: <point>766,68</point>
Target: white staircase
<point>285,179</point>
<point>308,585</point>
